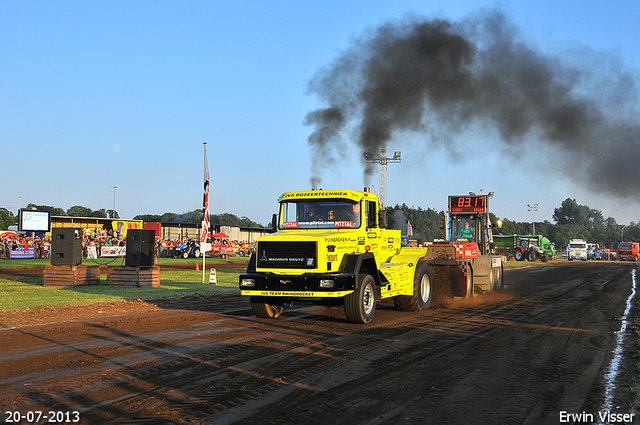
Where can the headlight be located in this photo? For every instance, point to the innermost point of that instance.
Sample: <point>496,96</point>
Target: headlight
<point>248,283</point>
<point>326,283</point>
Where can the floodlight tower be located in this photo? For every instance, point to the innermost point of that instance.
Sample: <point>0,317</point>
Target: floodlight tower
<point>113,214</point>
<point>532,209</point>
<point>383,161</point>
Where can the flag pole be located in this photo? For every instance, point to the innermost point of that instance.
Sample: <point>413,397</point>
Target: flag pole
<point>203,253</point>
<point>205,215</point>
<point>204,231</point>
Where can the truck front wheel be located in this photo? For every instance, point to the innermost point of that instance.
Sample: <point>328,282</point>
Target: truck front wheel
<point>360,305</point>
<point>421,298</point>
<point>263,308</point>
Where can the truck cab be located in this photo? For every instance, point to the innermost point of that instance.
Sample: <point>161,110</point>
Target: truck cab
<point>628,251</point>
<point>332,224</point>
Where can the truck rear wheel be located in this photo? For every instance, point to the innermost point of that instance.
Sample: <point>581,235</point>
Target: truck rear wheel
<point>421,298</point>
<point>264,309</point>
<point>360,305</point>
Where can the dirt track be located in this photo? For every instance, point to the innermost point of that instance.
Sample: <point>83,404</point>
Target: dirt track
<point>518,356</point>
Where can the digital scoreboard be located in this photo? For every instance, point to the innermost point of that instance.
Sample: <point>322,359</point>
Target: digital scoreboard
<point>468,204</point>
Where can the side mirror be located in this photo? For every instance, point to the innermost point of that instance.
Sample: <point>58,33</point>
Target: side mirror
<point>274,222</point>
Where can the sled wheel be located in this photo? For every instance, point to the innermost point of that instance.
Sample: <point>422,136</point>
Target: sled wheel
<point>469,282</point>
<point>498,282</point>
<point>264,309</point>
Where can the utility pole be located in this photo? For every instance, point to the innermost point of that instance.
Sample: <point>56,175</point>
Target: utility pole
<point>383,161</point>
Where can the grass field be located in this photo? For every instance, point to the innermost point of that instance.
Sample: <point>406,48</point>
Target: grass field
<point>26,293</point>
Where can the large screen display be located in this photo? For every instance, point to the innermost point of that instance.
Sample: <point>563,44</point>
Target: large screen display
<point>34,221</point>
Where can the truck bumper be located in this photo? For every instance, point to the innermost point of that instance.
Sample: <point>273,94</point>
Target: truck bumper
<point>308,285</point>
<point>295,294</point>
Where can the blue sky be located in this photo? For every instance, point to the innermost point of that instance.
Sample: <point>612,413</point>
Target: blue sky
<point>102,94</point>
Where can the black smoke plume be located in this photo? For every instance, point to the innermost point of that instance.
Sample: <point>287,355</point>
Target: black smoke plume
<point>440,78</point>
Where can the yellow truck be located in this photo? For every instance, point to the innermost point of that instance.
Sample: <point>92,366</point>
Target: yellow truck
<point>329,249</point>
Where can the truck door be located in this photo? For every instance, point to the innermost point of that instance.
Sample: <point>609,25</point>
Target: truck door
<point>372,215</point>
<point>373,233</point>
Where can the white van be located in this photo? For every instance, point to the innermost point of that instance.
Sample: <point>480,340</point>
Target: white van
<point>577,250</point>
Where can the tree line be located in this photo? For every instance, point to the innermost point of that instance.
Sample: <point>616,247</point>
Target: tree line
<point>571,221</point>
<point>225,219</point>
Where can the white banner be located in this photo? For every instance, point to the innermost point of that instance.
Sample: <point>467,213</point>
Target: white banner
<point>92,252</point>
<point>113,251</point>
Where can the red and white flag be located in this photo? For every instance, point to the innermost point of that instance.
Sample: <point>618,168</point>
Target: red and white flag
<point>205,200</point>
<point>409,228</point>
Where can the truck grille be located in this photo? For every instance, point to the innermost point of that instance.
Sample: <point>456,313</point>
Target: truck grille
<point>287,255</point>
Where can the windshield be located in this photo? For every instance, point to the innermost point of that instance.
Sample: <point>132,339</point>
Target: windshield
<point>325,214</point>
<point>624,245</point>
<point>578,245</point>
<point>463,229</point>
<point>528,242</point>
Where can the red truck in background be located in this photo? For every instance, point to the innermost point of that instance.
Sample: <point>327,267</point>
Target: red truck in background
<point>153,225</point>
<point>628,251</point>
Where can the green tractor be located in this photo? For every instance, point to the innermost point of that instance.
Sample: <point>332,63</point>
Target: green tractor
<point>525,247</point>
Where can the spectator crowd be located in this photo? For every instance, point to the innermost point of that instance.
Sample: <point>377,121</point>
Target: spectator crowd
<point>94,241</point>
<point>41,246</point>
